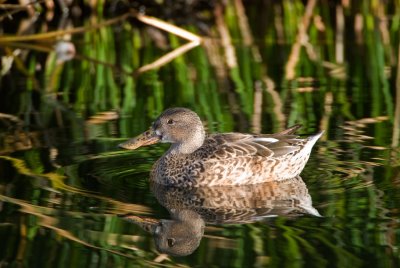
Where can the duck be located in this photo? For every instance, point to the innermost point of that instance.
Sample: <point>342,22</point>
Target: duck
<point>197,159</point>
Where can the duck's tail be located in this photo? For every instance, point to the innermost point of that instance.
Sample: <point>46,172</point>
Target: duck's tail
<point>313,139</point>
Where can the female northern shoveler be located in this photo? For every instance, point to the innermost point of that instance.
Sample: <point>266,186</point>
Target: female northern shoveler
<point>197,159</point>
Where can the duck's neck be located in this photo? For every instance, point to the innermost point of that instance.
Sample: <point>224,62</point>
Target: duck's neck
<point>190,145</point>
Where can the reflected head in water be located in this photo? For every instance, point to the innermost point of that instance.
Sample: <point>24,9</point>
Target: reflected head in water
<point>197,159</point>
<point>179,236</point>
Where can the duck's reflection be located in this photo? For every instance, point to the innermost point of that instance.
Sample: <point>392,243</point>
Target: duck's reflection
<point>192,208</point>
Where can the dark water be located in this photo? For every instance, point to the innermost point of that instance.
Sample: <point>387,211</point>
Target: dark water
<point>70,198</point>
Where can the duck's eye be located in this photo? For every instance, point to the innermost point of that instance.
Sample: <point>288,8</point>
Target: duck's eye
<point>171,242</point>
<point>170,122</point>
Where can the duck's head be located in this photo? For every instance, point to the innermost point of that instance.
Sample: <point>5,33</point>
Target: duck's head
<point>179,126</point>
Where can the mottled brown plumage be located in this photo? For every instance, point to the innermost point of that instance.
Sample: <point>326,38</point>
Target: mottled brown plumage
<point>197,159</point>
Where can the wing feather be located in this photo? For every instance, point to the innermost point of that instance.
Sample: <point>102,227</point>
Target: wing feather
<point>228,145</point>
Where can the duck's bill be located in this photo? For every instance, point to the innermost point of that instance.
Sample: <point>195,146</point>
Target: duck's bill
<point>147,138</point>
<point>148,224</point>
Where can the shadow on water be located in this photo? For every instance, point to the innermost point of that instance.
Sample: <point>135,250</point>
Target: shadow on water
<point>191,208</point>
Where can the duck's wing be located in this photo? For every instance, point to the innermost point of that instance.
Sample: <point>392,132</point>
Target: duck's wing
<point>229,145</point>
<point>290,131</point>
